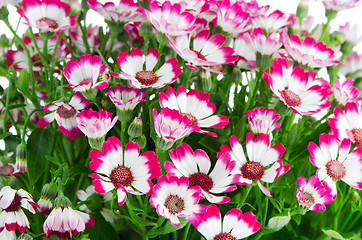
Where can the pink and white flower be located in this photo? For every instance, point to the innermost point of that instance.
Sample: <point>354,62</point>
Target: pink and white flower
<point>352,66</point>
<point>338,5</point>
<point>234,225</point>
<point>10,2</point>
<point>123,170</point>
<point>173,198</point>
<point>350,32</point>
<point>205,51</point>
<point>344,91</point>
<point>195,105</point>
<point>297,88</point>
<point>348,124</point>
<point>65,115</point>
<point>313,195</point>
<point>83,75</point>
<point>11,214</point>
<point>193,6</point>
<point>132,69</point>
<point>273,22</point>
<point>335,162</point>
<point>309,53</point>
<point>47,15</point>
<point>260,156</point>
<point>262,120</point>
<point>126,98</point>
<point>169,18</point>
<point>196,167</point>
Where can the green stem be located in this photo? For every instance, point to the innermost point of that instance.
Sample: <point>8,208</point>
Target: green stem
<point>245,195</point>
<point>186,231</point>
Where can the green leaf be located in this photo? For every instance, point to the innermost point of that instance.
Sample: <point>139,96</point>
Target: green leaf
<point>334,234</point>
<point>101,229</point>
<point>168,228</point>
<point>11,142</point>
<point>137,219</point>
<point>38,147</point>
<point>23,81</point>
<point>278,222</point>
<point>5,135</point>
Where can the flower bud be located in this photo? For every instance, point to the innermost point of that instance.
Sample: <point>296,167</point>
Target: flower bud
<point>146,30</point>
<point>20,158</point>
<point>354,196</point>
<point>263,61</point>
<point>141,141</point>
<point>135,128</point>
<point>205,81</point>
<point>48,194</point>
<point>25,236</point>
<point>302,10</point>
<point>4,13</point>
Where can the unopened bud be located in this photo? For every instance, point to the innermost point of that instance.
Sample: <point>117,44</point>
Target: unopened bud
<point>302,10</point>
<point>25,236</point>
<point>354,196</point>
<point>20,159</point>
<point>135,128</point>
<point>146,30</point>
<point>141,141</point>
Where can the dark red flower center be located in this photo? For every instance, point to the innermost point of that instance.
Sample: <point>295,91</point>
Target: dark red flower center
<point>252,170</point>
<point>36,60</point>
<point>174,204</point>
<point>15,204</point>
<point>224,236</point>
<point>66,111</point>
<point>201,179</point>
<point>50,22</point>
<point>121,174</point>
<point>146,77</point>
<point>193,120</point>
<point>357,135</point>
<point>199,55</point>
<point>335,170</point>
<point>308,197</point>
<point>291,98</point>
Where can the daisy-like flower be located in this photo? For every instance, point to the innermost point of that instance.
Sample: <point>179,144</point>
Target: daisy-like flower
<point>274,21</point>
<point>132,69</point>
<point>313,195</point>
<point>348,124</point>
<point>196,166</point>
<point>170,126</point>
<point>338,5</point>
<point>4,3</point>
<point>205,51</point>
<point>350,32</point>
<point>83,75</point>
<point>125,171</point>
<point>195,105</point>
<point>253,9</point>
<point>169,18</point>
<point>260,156</point>
<point>65,221</point>
<point>47,15</point>
<point>352,66</point>
<point>125,99</point>
<point>234,225</point>
<point>248,45</point>
<point>297,88</point>
<point>344,91</point>
<point>65,114</point>
<point>335,162</point>
<point>309,53</point>
<point>262,120</point>
<point>174,198</point>
<point>125,11</point>
<point>11,214</point>
<point>92,39</point>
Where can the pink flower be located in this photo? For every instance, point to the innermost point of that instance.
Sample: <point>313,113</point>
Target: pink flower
<point>195,105</point>
<point>338,5</point>
<point>11,214</point>
<point>125,98</point>
<point>125,171</point>
<point>132,69</point>
<point>344,91</point>
<point>47,15</point>
<point>65,115</point>
<point>234,225</point>
<point>335,162</point>
<point>309,53</point>
<point>352,66</point>
<point>205,52</point>
<point>350,32</point>
<point>313,195</point>
<point>196,166</point>
<point>260,155</point>
<point>297,88</point>
<point>173,198</point>
<point>169,18</point>
<point>83,75</point>
<point>92,39</point>
<point>275,21</point>
<point>262,120</point>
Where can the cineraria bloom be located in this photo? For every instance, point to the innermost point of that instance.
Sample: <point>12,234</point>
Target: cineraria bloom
<point>350,32</point>
<point>169,18</point>
<point>125,11</point>
<point>309,53</point>
<point>297,88</point>
<point>234,225</point>
<point>11,214</point>
<point>344,91</point>
<point>335,162</point>
<point>248,44</point>
<point>174,198</point>
<point>205,51</point>
<point>348,124</point>
<point>83,75</point>
<point>352,66</point>
<point>253,9</point>
<point>195,105</point>
<point>95,124</point>
<point>132,69</point>
<point>65,114</point>
<point>231,17</point>
<point>170,126</point>
<point>92,39</point>
<point>125,98</point>
<point>262,120</point>
<point>260,156</point>
<point>313,195</point>
<point>196,166</point>
<point>125,171</point>
<point>274,21</point>
<point>193,6</point>
<point>47,15</point>
<point>338,5</point>
<point>65,221</point>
